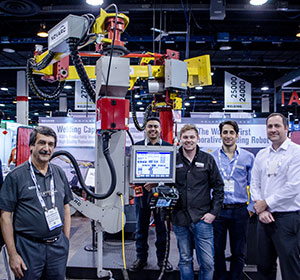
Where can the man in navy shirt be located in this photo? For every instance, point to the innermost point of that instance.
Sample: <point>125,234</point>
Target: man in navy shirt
<point>235,166</point>
<point>143,211</point>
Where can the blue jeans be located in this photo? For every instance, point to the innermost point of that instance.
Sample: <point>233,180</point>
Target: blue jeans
<point>235,220</point>
<point>200,234</point>
<point>143,214</point>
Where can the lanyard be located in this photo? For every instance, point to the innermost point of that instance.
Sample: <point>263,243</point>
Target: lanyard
<point>227,176</point>
<point>37,187</point>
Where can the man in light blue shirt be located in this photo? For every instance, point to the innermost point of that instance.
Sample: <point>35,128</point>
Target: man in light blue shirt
<point>235,166</point>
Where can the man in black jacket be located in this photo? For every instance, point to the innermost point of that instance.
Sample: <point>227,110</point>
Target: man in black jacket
<point>143,211</point>
<point>201,190</point>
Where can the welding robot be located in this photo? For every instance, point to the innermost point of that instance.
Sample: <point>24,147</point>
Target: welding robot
<point>167,78</point>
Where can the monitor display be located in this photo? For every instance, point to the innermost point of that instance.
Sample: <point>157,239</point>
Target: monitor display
<point>153,164</point>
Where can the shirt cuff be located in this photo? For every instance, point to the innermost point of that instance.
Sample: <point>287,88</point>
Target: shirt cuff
<point>270,201</point>
<point>250,207</point>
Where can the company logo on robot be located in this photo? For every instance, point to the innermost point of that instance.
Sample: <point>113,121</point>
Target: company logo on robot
<point>61,30</point>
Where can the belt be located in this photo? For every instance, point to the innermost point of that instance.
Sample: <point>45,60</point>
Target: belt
<point>39,240</point>
<point>234,205</point>
<point>285,213</point>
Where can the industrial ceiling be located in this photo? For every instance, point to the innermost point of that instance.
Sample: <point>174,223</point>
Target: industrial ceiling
<point>264,48</point>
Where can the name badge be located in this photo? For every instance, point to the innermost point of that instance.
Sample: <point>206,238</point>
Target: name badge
<point>240,167</point>
<point>53,218</point>
<point>199,164</point>
<point>180,165</point>
<point>229,186</point>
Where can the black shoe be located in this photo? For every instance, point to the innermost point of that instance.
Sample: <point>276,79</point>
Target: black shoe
<point>169,267</point>
<point>138,265</point>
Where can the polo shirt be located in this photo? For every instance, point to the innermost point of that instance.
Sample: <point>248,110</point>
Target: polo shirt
<point>18,195</point>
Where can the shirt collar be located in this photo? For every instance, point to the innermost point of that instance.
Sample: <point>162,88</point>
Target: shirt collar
<point>147,142</point>
<point>237,150</point>
<point>196,155</point>
<point>283,146</point>
<point>38,172</point>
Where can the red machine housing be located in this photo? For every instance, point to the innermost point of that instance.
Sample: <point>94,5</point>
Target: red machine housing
<point>113,113</point>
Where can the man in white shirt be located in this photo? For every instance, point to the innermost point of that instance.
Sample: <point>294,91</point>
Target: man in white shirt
<point>275,188</point>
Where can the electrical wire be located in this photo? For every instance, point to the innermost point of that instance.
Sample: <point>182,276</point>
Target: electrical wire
<point>134,117</point>
<point>34,87</point>
<point>165,261</point>
<point>78,173</point>
<point>84,78</point>
<point>123,232</point>
<point>130,136</point>
<point>91,20</point>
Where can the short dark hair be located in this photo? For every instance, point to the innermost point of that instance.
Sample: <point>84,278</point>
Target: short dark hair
<point>153,119</point>
<point>284,119</point>
<point>232,123</point>
<point>44,130</point>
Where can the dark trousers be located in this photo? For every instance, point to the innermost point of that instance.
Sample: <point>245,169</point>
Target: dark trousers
<point>44,261</point>
<point>279,239</point>
<point>143,214</point>
<point>236,221</point>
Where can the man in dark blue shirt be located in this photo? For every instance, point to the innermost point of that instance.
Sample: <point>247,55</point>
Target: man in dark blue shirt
<point>143,211</point>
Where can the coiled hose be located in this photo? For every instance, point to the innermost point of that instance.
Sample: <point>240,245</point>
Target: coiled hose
<point>77,170</point>
<point>77,61</point>
<point>39,66</point>
<point>133,111</point>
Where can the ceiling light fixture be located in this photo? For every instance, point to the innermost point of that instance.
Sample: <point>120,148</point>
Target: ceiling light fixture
<point>214,101</point>
<point>46,104</point>
<point>142,108</point>
<point>264,88</point>
<point>67,87</point>
<point>187,104</point>
<point>139,103</point>
<point>42,32</point>
<point>8,50</point>
<point>94,2</point>
<point>198,88</point>
<point>258,2</point>
<point>225,48</point>
<point>192,97</point>
<point>2,105</point>
<point>4,88</point>
<point>298,32</point>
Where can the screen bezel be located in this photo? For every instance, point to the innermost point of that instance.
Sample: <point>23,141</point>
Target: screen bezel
<point>143,148</point>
